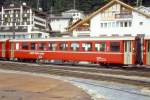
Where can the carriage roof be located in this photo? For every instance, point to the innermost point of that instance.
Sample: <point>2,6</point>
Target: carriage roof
<point>76,39</point>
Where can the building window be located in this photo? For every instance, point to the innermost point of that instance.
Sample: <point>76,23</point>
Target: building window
<point>109,24</point>
<point>105,25</point>
<point>121,24</point>
<point>113,24</point>
<point>39,35</point>
<point>116,24</point>
<point>102,25</point>
<point>141,23</point>
<point>32,35</point>
<point>125,24</point>
<point>130,24</point>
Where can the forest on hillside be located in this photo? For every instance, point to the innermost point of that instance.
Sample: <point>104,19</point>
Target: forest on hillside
<point>58,6</point>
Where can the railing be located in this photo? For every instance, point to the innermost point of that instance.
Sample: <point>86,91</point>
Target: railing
<point>26,15</point>
<point>83,29</point>
<point>10,29</point>
<point>124,15</point>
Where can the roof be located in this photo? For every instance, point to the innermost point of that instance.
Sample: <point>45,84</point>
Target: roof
<point>144,9</point>
<point>18,4</point>
<point>73,24</point>
<point>105,7</point>
<point>147,37</point>
<point>3,40</point>
<point>114,38</point>
<point>59,17</point>
<point>72,11</point>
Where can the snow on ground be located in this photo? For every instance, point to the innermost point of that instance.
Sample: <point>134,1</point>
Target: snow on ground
<point>100,90</point>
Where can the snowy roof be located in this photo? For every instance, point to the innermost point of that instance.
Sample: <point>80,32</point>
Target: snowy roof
<point>72,11</point>
<point>59,17</point>
<point>144,9</point>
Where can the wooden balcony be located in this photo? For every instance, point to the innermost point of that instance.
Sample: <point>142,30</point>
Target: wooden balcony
<point>11,29</point>
<point>123,15</point>
<point>83,29</point>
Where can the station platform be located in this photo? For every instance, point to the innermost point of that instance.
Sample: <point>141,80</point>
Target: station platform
<point>15,86</point>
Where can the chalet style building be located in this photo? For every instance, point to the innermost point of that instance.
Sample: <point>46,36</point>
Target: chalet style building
<point>21,21</point>
<point>115,18</point>
<point>59,23</point>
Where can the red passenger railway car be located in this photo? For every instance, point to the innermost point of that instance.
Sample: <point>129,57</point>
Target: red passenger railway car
<point>4,48</point>
<point>102,50</point>
<point>146,51</point>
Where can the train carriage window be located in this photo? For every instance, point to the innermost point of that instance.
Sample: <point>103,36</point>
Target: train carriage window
<point>25,46</point>
<point>63,46</point>
<point>100,46</point>
<point>125,46</point>
<point>52,46</point>
<point>17,46</point>
<point>42,46</point>
<point>114,46</point>
<point>75,46</point>
<point>87,46</point>
<point>128,47</point>
<point>148,46</point>
<point>33,46</point>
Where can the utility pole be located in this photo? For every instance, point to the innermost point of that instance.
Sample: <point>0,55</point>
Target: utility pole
<point>74,4</point>
<point>13,22</point>
<point>37,6</point>
<point>139,3</point>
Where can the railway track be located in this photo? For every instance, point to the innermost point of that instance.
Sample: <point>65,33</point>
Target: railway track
<point>111,88</point>
<point>137,77</point>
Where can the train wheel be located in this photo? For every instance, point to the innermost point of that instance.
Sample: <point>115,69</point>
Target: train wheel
<point>102,65</point>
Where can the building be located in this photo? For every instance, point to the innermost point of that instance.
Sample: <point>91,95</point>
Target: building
<point>115,18</point>
<point>75,14</point>
<point>144,9</point>
<point>21,21</point>
<point>59,24</point>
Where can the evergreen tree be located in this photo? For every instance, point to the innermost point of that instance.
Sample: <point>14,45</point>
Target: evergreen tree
<point>62,5</point>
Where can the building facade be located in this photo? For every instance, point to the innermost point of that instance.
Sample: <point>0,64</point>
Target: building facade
<point>60,23</point>
<point>21,21</point>
<point>75,14</point>
<point>115,18</point>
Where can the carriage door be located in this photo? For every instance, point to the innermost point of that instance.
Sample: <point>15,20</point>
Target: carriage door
<point>3,49</point>
<point>127,52</point>
<point>148,52</point>
<point>12,50</point>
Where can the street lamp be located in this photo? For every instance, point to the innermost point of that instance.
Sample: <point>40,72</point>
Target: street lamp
<point>13,23</point>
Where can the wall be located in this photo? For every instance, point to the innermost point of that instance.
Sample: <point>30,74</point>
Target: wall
<point>60,24</point>
<point>134,29</point>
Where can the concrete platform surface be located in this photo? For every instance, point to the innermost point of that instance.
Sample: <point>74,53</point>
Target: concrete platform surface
<point>26,87</point>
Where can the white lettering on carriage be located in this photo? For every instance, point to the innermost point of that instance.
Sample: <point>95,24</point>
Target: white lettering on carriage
<point>100,59</point>
<point>37,53</point>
